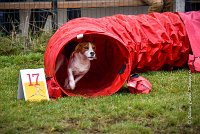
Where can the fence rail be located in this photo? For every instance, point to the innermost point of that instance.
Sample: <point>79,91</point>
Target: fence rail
<point>71,4</point>
<point>33,16</point>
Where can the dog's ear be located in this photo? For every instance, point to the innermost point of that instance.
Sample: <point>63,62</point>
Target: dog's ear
<point>78,48</point>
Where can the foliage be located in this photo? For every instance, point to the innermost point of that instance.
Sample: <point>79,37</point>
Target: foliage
<point>10,45</point>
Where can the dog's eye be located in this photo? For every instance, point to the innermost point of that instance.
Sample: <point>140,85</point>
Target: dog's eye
<point>86,47</point>
<point>93,48</point>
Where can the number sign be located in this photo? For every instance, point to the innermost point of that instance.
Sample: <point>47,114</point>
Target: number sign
<point>32,85</point>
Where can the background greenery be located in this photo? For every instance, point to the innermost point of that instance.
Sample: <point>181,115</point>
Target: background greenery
<point>164,110</point>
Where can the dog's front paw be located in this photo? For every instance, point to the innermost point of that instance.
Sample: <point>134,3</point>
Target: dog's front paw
<point>66,84</point>
<point>72,85</point>
<point>69,84</point>
<point>66,87</point>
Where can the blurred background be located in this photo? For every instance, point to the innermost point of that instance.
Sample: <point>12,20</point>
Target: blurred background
<point>31,17</point>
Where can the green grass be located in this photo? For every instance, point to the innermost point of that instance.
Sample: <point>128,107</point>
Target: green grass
<point>17,45</point>
<point>164,110</point>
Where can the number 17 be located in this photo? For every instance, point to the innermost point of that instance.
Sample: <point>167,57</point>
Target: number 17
<point>32,76</point>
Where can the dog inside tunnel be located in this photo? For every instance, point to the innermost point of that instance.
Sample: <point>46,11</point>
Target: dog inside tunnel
<point>110,65</point>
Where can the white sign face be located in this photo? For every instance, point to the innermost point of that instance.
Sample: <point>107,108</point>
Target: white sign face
<point>32,85</point>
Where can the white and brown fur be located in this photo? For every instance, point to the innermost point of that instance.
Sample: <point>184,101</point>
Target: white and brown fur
<point>79,63</point>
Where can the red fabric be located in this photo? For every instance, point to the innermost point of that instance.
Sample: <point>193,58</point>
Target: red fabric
<point>139,85</point>
<point>104,76</point>
<point>194,63</point>
<point>192,24</point>
<point>124,43</point>
<point>53,89</point>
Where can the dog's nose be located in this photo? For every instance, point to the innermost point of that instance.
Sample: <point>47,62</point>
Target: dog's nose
<point>92,53</point>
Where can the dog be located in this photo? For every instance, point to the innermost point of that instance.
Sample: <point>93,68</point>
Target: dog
<point>78,63</point>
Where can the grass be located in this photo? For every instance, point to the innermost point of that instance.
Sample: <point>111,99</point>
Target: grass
<point>19,44</point>
<point>164,110</point>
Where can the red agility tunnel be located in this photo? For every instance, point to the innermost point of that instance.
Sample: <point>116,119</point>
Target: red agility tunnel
<point>124,43</point>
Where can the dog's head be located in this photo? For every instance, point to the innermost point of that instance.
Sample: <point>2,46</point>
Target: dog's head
<point>87,49</point>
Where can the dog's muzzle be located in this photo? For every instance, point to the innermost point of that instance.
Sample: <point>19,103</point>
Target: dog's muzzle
<point>92,54</point>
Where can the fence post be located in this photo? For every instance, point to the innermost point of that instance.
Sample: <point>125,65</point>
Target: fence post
<point>55,15</point>
<point>179,5</point>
